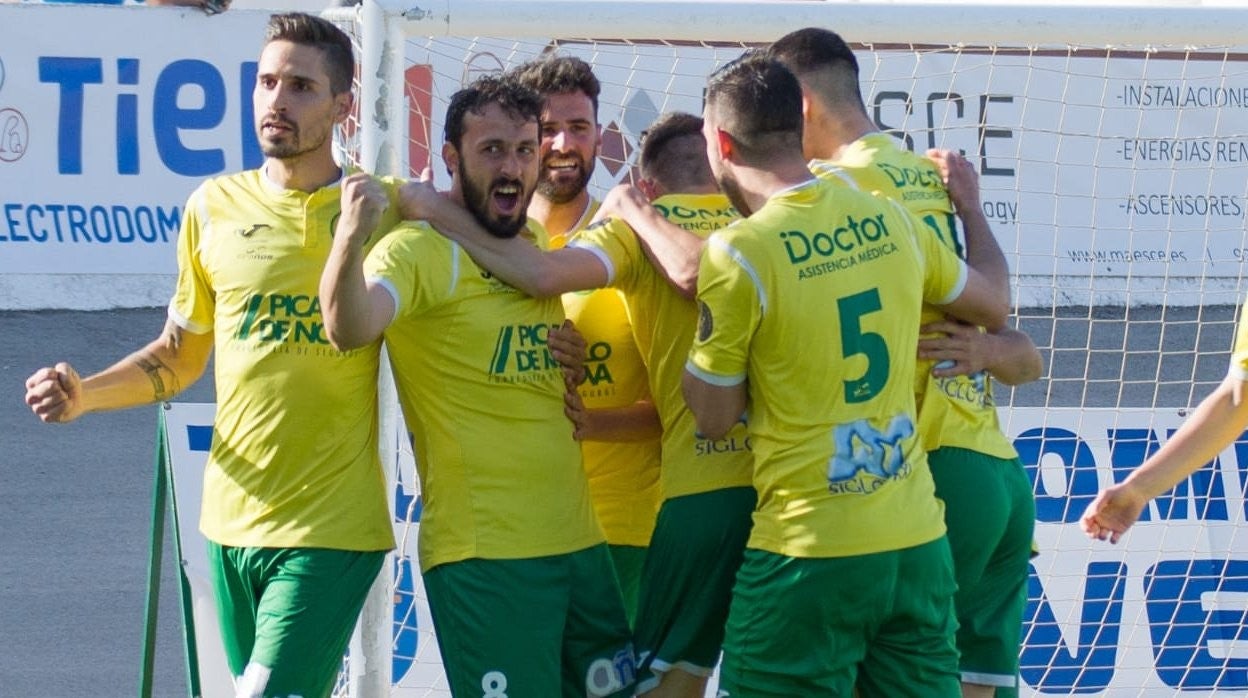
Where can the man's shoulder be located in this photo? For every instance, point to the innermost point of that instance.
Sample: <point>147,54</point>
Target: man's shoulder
<point>414,233</point>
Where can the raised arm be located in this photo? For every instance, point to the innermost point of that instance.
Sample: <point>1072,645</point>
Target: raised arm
<point>983,253</point>
<point>355,311</point>
<point>158,371</point>
<point>674,251</point>
<point>1215,424</point>
<point>538,273</point>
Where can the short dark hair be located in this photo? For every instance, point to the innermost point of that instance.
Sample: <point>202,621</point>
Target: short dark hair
<point>553,74</point>
<point>758,102</point>
<point>515,99</point>
<point>822,60</point>
<point>310,30</point>
<point>673,152</point>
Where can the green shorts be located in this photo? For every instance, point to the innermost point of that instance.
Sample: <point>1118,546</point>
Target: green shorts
<point>990,514</point>
<point>286,614</point>
<point>533,627</point>
<point>628,561</point>
<point>686,584</point>
<point>883,623</point>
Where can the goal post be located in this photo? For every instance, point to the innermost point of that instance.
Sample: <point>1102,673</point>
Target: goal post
<point>1111,142</point>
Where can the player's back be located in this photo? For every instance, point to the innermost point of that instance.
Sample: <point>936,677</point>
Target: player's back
<point>955,411</point>
<point>840,278</point>
<point>663,324</point>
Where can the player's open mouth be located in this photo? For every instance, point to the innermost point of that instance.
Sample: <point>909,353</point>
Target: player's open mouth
<point>506,198</point>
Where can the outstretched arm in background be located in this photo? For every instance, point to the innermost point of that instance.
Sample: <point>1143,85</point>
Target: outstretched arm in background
<point>1217,422</point>
<point>158,371</point>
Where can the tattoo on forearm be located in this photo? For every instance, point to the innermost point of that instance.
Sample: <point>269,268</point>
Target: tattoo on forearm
<point>164,380</point>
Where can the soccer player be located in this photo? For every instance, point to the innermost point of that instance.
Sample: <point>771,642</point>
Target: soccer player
<point>1217,422</point>
<point>809,315</point>
<point>294,501</point>
<point>704,519</point>
<point>520,582</point>
<point>619,429</point>
<point>989,508</point>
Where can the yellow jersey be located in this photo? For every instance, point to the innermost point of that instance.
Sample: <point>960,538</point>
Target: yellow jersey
<point>663,323</point>
<point>500,474</point>
<point>294,459</point>
<point>958,411</point>
<point>814,302</point>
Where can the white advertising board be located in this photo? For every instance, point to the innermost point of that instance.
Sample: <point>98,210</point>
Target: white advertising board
<point>103,135</point>
<point>1127,174</point>
<point>1161,612</point>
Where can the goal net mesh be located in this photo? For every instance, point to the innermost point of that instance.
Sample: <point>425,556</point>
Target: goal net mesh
<point>1114,175</point>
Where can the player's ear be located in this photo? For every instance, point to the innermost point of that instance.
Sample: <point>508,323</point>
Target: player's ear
<point>649,188</point>
<point>451,157</point>
<point>807,104</point>
<point>343,103</point>
<point>725,144</point>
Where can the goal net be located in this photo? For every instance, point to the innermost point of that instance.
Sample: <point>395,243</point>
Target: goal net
<point>1112,147</point>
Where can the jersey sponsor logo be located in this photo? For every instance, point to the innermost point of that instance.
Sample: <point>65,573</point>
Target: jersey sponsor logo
<point>606,676</point>
<point>972,389</point>
<point>865,458</point>
<point>255,228</point>
<point>282,318</point>
<point>728,444</point>
<point>904,177</point>
<point>698,218</point>
<point>735,442</point>
<point>855,235</point>
<point>598,380</point>
<point>520,353</point>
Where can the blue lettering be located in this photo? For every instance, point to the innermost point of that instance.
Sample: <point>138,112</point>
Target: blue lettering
<point>1046,662</point>
<point>170,222</point>
<point>1128,448</point>
<point>14,235</point>
<point>252,156</point>
<point>128,118</point>
<point>77,222</point>
<point>1078,466</point>
<point>72,74</point>
<point>9,210</point>
<point>100,224</point>
<point>1241,458</point>
<point>1183,631</point>
<point>123,224</point>
<point>39,234</point>
<point>170,119</point>
<point>198,437</point>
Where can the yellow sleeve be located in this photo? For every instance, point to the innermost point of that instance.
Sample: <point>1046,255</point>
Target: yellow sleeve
<point>417,266</point>
<point>730,307</point>
<point>194,304</point>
